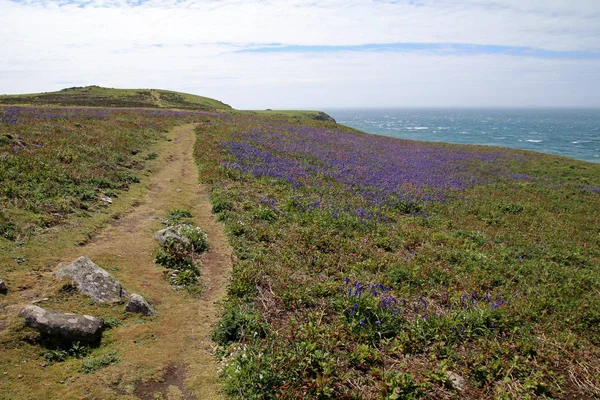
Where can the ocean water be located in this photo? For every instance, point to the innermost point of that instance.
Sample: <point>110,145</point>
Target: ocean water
<point>573,133</point>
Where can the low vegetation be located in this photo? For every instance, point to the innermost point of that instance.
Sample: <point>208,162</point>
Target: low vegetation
<point>95,96</point>
<point>370,267</point>
<point>58,162</point>
<point>181,255</point>
<point>365,266</point>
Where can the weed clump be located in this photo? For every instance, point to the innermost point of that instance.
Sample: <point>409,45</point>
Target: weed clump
<point>180,253</point>
<point>92,365</point>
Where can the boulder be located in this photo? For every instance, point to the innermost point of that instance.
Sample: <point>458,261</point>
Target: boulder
<point>170,233</point>
<point>93,281</point>
<point>63,327</point>
<point>137,304</point>
<point>3,288</point>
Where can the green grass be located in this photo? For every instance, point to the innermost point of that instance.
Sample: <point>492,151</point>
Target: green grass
<point>500,281</point>
<point>296,114</point>
<point>95,96</point>
<point>55,166</point>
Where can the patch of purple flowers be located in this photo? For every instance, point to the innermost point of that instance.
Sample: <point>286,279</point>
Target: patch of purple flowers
<point>385,172</point>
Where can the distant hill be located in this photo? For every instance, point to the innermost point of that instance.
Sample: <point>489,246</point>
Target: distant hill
<point>96,96</point>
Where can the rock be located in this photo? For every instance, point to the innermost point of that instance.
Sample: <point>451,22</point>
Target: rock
<point>171,232</point>
<point>137,304</point>
<point>3,288</point>
<point>106,199</point>
<point>456,381</point>
<point>63,326</point>
<point>93,281</point>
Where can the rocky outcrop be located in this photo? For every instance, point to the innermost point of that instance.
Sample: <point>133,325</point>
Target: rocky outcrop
<point>63,327</point>
<point>170,233</point>
<point>321,116</point>
<point>93,281</point>
<point>137,304</point>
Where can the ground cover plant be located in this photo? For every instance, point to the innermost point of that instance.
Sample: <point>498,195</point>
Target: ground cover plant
<point>181,254</point>
<point>96,96</point>
<point>65,175</point>
<point>57,162</point>
<point>371,267</point>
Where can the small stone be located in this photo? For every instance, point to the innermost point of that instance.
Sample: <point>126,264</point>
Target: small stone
<point>20,376</point>
<point>179,190</point>
<point>106,199</point>
<point>137,304</point>
<point>457,381</point>
<point>3,287</point>
<point>42,364</point>
<point>39,300</point>
<point>170,233</point>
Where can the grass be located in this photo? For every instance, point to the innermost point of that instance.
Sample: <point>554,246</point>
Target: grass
<point>296,114</point>
<point>366,267</point>
<point>61,162</point>
<point>108,155</point>
<point>370,267</point>
<point>95,96</point>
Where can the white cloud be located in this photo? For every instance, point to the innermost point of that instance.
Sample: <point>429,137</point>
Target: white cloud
<point>189,46</point>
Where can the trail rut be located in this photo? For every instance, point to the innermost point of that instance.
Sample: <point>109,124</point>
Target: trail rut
<point>170,354</point>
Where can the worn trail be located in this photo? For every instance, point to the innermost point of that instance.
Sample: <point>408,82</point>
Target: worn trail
<point>170,354</point>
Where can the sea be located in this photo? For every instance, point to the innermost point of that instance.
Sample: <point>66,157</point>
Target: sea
<point>573,133</point>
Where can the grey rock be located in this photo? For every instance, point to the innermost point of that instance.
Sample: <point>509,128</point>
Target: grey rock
<point>3,288</point>
<point>63,327</point>
<point>106,199</point>
<point>170,233</point>
<point>137,304</point>
<point>457,381</point>
<point>93,281</point>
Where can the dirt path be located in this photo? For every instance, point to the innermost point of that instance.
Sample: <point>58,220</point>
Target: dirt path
<point>171,353</point>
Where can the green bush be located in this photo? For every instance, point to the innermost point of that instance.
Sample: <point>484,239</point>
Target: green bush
<point>237,323</point>
<point>197,237</point>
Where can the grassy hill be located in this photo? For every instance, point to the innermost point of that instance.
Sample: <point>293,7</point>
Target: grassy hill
<point>365,266</point>
<point>96,96</point>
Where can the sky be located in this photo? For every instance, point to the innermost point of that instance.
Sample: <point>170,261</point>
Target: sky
<point>256,54</point>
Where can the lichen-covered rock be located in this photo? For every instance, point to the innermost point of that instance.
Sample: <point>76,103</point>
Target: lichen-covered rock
<point>170,233</point>
<point>137,304</point>
<point>456,381</point>
<point>63,327</point>
<point>93,281</point>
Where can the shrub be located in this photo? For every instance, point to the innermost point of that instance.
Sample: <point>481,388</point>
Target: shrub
<point>237,323</point>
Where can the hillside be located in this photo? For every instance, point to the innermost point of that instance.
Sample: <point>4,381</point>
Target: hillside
<point>362,266</point>
<point>96,96</point>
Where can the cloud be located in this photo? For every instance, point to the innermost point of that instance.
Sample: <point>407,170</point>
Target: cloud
<point>264,53</point>
<point>439,48</point>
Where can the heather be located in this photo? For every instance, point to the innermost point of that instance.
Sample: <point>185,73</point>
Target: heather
<point>370,267</point>
<point>60,162</point>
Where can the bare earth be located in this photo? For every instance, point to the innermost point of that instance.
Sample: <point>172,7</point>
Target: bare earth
<point>171,354</point>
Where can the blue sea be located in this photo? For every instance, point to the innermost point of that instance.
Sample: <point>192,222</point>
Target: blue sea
<point>573,133</point>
